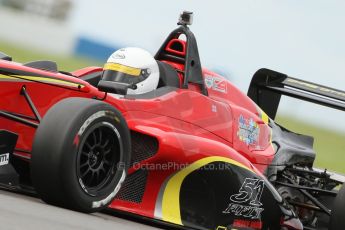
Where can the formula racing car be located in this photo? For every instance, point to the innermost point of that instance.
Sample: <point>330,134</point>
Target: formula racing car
<point>195,153</point>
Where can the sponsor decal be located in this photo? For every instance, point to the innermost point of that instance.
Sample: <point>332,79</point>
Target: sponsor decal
<point>316,87</point>
<point>82,185</point>
<point>248,130</point>
<point>209,82</point>
<point>118,55</point>
<point>4,159</point>
<point>221,228</point>
<point>215,83</point>
<point>251,224</point>
<point>214,108</point>
<point>97,204</point>
<point>246,203</point>
<point>97,115</point>
<point>243,224</point>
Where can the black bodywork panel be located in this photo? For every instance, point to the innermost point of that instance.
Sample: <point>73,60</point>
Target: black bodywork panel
<point>44,65</point>
<point>5,57</point>
<point>8,141</point>
<point>92,78</point>
<point>218,210</point>
<point>267,86</point>
<point>8,175</point>
<point>291,149</point>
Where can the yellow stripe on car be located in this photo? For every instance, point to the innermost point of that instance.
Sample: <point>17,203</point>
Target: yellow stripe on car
<point>264,117</point>
<point>171,196</point>
<point>123,69</point>
<point>42,79</point>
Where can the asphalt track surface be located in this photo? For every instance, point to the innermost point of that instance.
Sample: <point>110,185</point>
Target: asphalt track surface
<point>20,212</point>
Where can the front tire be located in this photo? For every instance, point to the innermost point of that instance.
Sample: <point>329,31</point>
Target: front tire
<point>80,155</point>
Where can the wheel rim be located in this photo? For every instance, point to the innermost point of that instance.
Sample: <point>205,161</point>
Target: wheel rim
<point>98,156</point>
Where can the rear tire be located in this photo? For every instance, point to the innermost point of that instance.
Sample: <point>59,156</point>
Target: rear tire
<point>80,155</point>
<point>338,217</point>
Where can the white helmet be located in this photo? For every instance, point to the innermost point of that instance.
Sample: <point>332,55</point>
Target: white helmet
<point>135,67</point>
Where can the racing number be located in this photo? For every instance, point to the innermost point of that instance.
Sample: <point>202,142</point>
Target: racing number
<point>251,190</point>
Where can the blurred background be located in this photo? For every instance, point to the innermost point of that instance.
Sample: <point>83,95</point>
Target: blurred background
<point>303,39</point>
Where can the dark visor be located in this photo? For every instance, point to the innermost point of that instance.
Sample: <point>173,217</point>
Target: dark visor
<point>119,73</point>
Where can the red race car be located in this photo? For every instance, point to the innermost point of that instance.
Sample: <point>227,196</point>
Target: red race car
<point>195,153</point>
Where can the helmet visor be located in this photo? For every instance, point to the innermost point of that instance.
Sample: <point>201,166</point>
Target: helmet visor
<point>120,73</point>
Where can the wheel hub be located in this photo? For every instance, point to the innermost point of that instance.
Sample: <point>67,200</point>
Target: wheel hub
<point>95,158</point>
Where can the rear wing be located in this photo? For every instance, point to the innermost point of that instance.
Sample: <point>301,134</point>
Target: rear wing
<point>267,86</point>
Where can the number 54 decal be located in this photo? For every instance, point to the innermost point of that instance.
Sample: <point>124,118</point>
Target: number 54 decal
<point>247,202</point>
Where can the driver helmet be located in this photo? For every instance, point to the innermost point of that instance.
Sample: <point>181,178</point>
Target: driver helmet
<point>135,67</point>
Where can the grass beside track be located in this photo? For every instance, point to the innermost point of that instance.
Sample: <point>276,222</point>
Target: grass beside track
<point>65,63</point>
<point>329,145</point>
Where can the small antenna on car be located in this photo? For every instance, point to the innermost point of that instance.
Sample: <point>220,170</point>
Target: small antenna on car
<point>186,18</point>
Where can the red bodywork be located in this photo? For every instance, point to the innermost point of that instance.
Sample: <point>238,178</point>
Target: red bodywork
<point>188,125</point>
